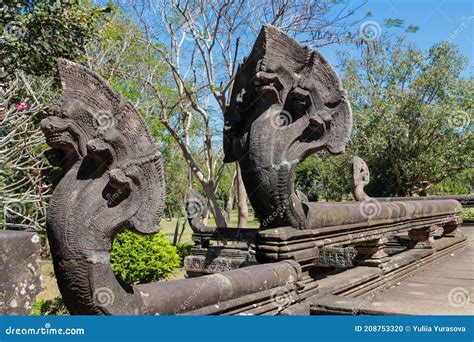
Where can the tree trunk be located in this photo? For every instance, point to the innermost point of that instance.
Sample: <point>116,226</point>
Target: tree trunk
<point>230,199</point>
<point>214,206</point>
<point>243,210</point>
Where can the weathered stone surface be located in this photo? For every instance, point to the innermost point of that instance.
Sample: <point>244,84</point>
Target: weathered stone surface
<point>20,274</point>
<point>113,180</point>
<point>337,257</point>
<point>196,208</point>
<point>360,178</point>
<point>287,103</point>
<point>216,259</point>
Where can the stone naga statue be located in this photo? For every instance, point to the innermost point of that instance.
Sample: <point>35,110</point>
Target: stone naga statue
<point>113,179</point>
<point>287,103</point>
<point>360,178</point>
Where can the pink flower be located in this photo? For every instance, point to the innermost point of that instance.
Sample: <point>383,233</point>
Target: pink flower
<point>21,106</point>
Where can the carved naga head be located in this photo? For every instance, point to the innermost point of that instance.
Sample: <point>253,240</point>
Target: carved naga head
<point>113,180</point>
<point>101,136</point>
<point>287,103</point>
<point>360,178</point>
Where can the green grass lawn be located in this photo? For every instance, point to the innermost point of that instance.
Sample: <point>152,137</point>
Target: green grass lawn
<point>168,226</point>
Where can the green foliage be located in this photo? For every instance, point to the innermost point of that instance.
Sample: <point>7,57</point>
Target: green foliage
<point>225,182</point>
<point>143,259</point>
<point>412,28</point>
<point>324,177</point>
<point>412,125</point>
<point>183,251</point>
<point>411,115</point>
<point>458,184</point>
<point>37,32</point>
<point>53,307</point>
<point>393,22</point>
<point>467,213</point>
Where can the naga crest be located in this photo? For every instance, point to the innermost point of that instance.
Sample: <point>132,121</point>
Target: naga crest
<point>113,180</point>
<point>287,103</point>
<point>360,178</point>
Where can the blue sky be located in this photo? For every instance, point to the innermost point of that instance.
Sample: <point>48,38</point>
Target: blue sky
<point>438,20</point>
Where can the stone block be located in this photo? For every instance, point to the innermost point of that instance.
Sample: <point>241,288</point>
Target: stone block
<point>20,273</point>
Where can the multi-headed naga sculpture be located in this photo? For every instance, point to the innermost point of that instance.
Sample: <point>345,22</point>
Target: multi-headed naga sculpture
<point>287,103</point>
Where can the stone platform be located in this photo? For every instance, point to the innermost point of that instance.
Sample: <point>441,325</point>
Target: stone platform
<point>443,287</point>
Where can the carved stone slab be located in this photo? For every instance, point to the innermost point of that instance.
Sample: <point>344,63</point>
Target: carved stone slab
<point>201,264</point>
<point>337,257</point>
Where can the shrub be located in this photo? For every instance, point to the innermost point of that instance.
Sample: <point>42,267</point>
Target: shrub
<point>183,251</point>
<point>467,213</point>
<point>143,259</point>
<point>48,307</point>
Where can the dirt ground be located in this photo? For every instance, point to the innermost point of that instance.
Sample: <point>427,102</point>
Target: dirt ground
<point>48,283</point>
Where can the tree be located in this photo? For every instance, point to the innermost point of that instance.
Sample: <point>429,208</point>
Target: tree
<point>412,115</point>
<point>202,42</point>
<point>122,59</point>
<point>324,177</point>
<point>24,186</point>
<point>34,33</point>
